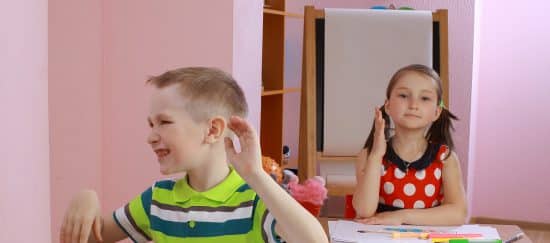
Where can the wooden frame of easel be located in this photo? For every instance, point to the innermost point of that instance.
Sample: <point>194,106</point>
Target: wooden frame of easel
<point>308,154</point>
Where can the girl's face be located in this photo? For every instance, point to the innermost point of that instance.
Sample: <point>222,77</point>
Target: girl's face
<point>413,101</point>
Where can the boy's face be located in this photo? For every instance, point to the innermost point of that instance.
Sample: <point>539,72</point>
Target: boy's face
<point>176,139</point>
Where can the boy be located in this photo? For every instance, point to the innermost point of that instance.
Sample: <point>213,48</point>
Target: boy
<point>192,113</point>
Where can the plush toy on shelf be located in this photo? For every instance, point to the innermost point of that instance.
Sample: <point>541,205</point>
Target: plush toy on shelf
<point>272,168</point>
<point>311,194</point>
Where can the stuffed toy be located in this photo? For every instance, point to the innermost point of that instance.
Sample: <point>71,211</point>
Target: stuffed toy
<point>272,168</point>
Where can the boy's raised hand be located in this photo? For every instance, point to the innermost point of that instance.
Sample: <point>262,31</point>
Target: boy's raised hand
<point>248,161</point>
<point>379,142</point>
<point>83,215</point>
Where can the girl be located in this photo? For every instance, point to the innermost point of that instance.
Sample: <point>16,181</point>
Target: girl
<point>413,177</point>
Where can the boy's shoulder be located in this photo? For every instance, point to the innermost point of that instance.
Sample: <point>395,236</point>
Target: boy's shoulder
<point>233,188</point>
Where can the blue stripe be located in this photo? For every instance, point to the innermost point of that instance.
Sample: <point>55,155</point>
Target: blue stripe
<point>273,233</point>
<point>146,197</point>
<point>243,188</point>
<point>166,184</point>
<point>256,200</point>
<point>201,229</point>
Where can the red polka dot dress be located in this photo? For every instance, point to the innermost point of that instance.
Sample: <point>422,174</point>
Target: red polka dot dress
<point>415,184</point>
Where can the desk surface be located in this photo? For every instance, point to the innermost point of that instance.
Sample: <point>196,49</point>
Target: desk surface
<point>505,231</point>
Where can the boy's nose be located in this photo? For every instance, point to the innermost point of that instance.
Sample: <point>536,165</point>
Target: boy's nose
<point>153,138</point>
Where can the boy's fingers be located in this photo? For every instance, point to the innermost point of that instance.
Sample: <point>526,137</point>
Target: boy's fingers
<point>67,233</point>
<point>62,230</point>
<point>229,148</point>
<point>75,232</point>
<point>97,228</point>
<point>85,230</point>
<point>239,126</point>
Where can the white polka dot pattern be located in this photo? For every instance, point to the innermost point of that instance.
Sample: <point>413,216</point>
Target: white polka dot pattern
<point>437,173</point>
<point>419,204</point>
<point>421,174</point>
<point>388,187</point>
<point>429,190</point>
<point>398,174</point>
<point>409,189</point>
<point>398,203</point>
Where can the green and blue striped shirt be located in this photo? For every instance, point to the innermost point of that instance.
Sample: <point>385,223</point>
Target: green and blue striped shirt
<point>171,211</point>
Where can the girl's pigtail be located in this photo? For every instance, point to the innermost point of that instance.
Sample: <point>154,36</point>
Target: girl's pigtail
<point>387,129</point>
<point>440,131</point>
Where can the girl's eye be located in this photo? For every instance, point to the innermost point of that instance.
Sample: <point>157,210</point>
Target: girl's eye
<point>426,98</point>
<point>402,96</point>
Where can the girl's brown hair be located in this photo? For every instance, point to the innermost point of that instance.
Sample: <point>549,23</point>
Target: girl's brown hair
<point>440,131</point>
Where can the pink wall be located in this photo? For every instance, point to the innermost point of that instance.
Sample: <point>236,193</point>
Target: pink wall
<point>247,53</point>
<point>461,24</point>
<point>511,156</point>
<point>25,180</point>
<point>75,66</point>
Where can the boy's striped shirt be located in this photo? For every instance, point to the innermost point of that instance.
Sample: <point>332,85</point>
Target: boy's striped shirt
<point>171,211</point>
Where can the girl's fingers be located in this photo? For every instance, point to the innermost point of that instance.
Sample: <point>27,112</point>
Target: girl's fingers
<point>366,220</point>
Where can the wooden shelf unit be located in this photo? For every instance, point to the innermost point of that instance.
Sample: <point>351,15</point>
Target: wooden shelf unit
<point>273,56</point>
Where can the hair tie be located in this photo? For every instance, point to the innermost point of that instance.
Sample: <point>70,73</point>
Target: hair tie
<point>441,104</point>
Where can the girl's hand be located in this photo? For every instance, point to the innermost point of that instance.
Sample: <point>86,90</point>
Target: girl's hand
<point>83,215</point>
<point>249,161</point>
<point>379,141</point>
<point>385,218</point>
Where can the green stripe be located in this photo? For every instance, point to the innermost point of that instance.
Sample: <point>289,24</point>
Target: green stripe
<point>167,197</point>
<point>201,229</point>
<point>161,237</point>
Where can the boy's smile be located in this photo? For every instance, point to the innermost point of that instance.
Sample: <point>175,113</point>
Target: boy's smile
<point>161,153</point>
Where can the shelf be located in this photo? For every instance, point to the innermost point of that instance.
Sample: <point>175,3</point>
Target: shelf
<point>283,13</point>
<point>321,157</point>
<point>280,91</point>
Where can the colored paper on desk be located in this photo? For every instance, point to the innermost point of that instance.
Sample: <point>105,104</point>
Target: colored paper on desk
<point>349,231</point>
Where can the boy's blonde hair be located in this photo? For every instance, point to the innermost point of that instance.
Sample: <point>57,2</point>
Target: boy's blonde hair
<point>209,92</point>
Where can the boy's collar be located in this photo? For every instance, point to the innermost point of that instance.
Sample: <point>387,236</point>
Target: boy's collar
<point>183,192</point>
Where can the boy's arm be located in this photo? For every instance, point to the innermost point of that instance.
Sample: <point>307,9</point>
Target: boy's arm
<point>453,210</point>
<point>295,223</point>
<point>110,231</point>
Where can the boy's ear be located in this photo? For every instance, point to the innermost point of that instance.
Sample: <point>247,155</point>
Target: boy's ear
<point>216,129</point>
